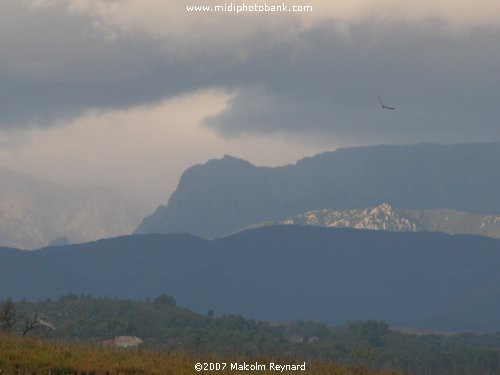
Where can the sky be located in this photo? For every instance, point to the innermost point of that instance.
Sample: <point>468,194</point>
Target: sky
<point>127,94</point>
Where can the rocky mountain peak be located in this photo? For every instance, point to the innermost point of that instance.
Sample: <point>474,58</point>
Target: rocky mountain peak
<point>385,209</point>
<point>382,217</point>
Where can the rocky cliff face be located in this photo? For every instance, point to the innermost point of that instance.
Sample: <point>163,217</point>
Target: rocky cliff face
<point>382,217</point>
<point>223,196</point>
<point>386,217</point>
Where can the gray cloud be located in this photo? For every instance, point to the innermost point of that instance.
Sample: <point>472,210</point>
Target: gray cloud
<point>56,64</point>
<point>446,84</point>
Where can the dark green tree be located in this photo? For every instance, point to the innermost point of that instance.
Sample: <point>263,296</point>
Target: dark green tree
<point>165,300</point>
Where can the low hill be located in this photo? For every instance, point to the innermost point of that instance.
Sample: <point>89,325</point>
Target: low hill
<point>222,196</point>
<point>419,280</point>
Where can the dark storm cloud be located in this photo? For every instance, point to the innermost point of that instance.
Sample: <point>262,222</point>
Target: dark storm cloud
<point>445,85</point>
<point>55,64</point>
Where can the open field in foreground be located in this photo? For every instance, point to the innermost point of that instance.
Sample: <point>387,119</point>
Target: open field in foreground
<point>31,356</point>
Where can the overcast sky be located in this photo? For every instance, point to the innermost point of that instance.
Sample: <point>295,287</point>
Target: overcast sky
<point>129,93</point>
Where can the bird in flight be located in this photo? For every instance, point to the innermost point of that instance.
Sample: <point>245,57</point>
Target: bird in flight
<point>383,105</point>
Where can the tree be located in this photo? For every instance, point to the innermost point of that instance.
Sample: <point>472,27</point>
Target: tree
<point>7,316</point>
<point>30,323</point>
<point>163,299</point>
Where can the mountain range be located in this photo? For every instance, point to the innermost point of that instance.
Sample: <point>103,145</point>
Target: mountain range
<point>35,212</point>
<point>223,196</point>
<point>281,273</point>
<point>386,217</point>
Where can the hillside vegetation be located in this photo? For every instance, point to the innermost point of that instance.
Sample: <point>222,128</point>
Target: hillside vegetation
<point>165,327</point>
<point>35,357</point>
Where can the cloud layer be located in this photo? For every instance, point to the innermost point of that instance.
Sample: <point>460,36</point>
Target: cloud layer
<point>445,87</point>
<point>316,75</point>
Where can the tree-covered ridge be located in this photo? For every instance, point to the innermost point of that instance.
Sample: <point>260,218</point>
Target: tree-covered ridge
<point>283,273</point>
<point>166,327</point>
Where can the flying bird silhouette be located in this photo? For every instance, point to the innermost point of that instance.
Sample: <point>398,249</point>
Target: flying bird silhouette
<point>383,105</point>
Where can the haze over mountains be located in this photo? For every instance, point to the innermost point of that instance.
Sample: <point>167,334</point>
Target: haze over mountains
<point>421,280</point>
<point>34,212</point>
<point>399,274</point>
<point>223,196</point>
<point>227,195</point>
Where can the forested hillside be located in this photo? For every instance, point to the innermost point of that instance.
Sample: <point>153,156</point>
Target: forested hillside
<point>420,280</point>
<point>164,326</point>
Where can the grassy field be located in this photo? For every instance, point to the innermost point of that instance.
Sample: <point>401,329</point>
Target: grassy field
<point>33,356</point>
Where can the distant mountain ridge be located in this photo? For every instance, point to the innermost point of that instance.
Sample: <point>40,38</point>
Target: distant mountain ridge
<point>385,217</point>
<point>223,196</point>
<point>281,273</point>
<point>34,212</point>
